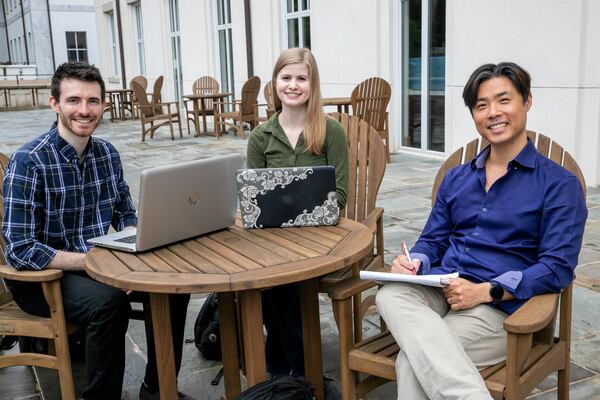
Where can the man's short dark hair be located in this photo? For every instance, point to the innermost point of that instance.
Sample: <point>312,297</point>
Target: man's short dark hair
<point>520,79</point>
<point>76,70</point>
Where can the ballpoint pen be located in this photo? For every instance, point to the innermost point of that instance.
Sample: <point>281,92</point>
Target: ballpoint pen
<point>407,255</point>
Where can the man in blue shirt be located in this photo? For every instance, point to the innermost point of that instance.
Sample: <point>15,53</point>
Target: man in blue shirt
<point>510,223</point>
<point>60,190</point>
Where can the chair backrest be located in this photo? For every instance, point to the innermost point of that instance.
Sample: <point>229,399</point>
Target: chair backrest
<point>156,96</point>
<point>369,101</point>
<point>250,95</point>
<point>544,145</point>
<point>141,80</point>
<point>142,99</point>
<point>204,85</point>
<point>366,165</point>
<point>269,98</point>
<point>548,148</point>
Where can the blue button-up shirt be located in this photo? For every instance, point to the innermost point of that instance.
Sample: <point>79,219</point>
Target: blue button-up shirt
<point>525,232</point>
<point>52,202</point>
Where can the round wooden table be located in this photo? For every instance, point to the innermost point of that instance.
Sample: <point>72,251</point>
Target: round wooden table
<point>120,100</point>
<point>199,104</point>
<point>236,261</point>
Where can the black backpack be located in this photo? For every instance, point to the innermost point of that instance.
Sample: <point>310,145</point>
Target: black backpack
<point>285,387</point>
<point>207,335</point>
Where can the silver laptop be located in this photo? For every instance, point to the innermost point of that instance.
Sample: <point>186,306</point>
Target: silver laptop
<point>180,201</point>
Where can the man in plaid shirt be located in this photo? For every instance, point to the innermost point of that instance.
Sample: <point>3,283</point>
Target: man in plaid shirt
<point>60,190</point>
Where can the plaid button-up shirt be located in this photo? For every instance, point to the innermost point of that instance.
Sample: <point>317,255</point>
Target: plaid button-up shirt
<point>52,202</point>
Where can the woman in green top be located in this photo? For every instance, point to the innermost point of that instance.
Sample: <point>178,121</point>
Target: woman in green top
<point>299,134</point>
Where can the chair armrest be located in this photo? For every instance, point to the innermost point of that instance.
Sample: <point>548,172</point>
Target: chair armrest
<point>154,105</point>
<point>372,218</point>
<point>534,315</point>
<point>43,275</point>
<point>349,287</point>
<point>236,104</point>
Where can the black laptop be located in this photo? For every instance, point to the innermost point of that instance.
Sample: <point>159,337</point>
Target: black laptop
<point>288,197</point>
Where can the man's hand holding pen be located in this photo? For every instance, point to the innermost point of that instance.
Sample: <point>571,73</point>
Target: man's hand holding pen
<point>404,264</point>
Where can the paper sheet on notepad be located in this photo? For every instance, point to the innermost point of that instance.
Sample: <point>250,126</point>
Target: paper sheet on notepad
<point>428,280</point>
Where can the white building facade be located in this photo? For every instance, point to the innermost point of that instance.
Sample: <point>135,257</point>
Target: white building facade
<point>401,41</point>
<point>38,35</point>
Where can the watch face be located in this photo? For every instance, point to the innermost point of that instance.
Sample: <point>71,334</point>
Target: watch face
<point>496,291</point>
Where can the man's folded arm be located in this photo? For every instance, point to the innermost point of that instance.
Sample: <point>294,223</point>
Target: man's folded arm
<point>561,234</point>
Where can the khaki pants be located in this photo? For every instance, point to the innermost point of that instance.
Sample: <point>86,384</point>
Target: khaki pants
<point>441,349</point>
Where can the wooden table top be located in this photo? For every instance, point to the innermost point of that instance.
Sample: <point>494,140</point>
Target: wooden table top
<point>206,95</point>
<point>334,101</point>
<point>234,259</point>
<point>119,91</point>
<point>28,85</point>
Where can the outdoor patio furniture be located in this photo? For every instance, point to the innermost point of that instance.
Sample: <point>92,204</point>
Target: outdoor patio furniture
<point>269,105</point>
<point>132,103</point>
<point>342,103</point>
<point>366,168</point>
<point>244,262</point>
<point>369,102</point>
<point>118,100</point>
<point>31,86</point>
<point>239,111</point>
<point>157,113</point>
<point>533,352</point>
<point>203,85</point>
<point>15,322</point>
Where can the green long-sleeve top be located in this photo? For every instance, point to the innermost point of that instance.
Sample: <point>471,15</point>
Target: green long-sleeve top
<point>268,147</point>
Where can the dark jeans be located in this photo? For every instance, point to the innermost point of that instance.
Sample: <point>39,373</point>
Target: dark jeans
<point>104,311</point>
<point>281,314</point>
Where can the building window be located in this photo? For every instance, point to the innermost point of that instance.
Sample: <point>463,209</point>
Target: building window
<point>225,46</point>
<point>176,48</point>
<point>137,9</point>
<point>113,41</point>
<point>298,23</point>
<point>424,57</point>
<point>76,46</point>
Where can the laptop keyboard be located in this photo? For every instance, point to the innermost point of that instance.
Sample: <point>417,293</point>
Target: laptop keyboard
<point>127,239</point>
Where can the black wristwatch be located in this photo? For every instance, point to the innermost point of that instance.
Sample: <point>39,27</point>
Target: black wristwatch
<point>497,292</point>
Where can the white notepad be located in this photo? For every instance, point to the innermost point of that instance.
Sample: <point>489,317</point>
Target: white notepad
<point>428,280</point>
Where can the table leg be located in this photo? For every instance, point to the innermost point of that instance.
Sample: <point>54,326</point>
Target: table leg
<point>229,345</point>
<point>311,334</point>
<point>163,342</point>
<point>203,108</point>
<point>122,106</point>
<point>254,342</point>
<point>196,122</point>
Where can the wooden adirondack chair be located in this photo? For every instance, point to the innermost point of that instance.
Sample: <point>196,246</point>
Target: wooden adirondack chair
<point>156,112</point>
<point>369,101</point>
<point>366,168</point>
<point>241,110</point>
<point>533,351</point>
<point>269,105</point>
<point>132,105</point>
<point>202,85</point>
<point>15,322</point>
